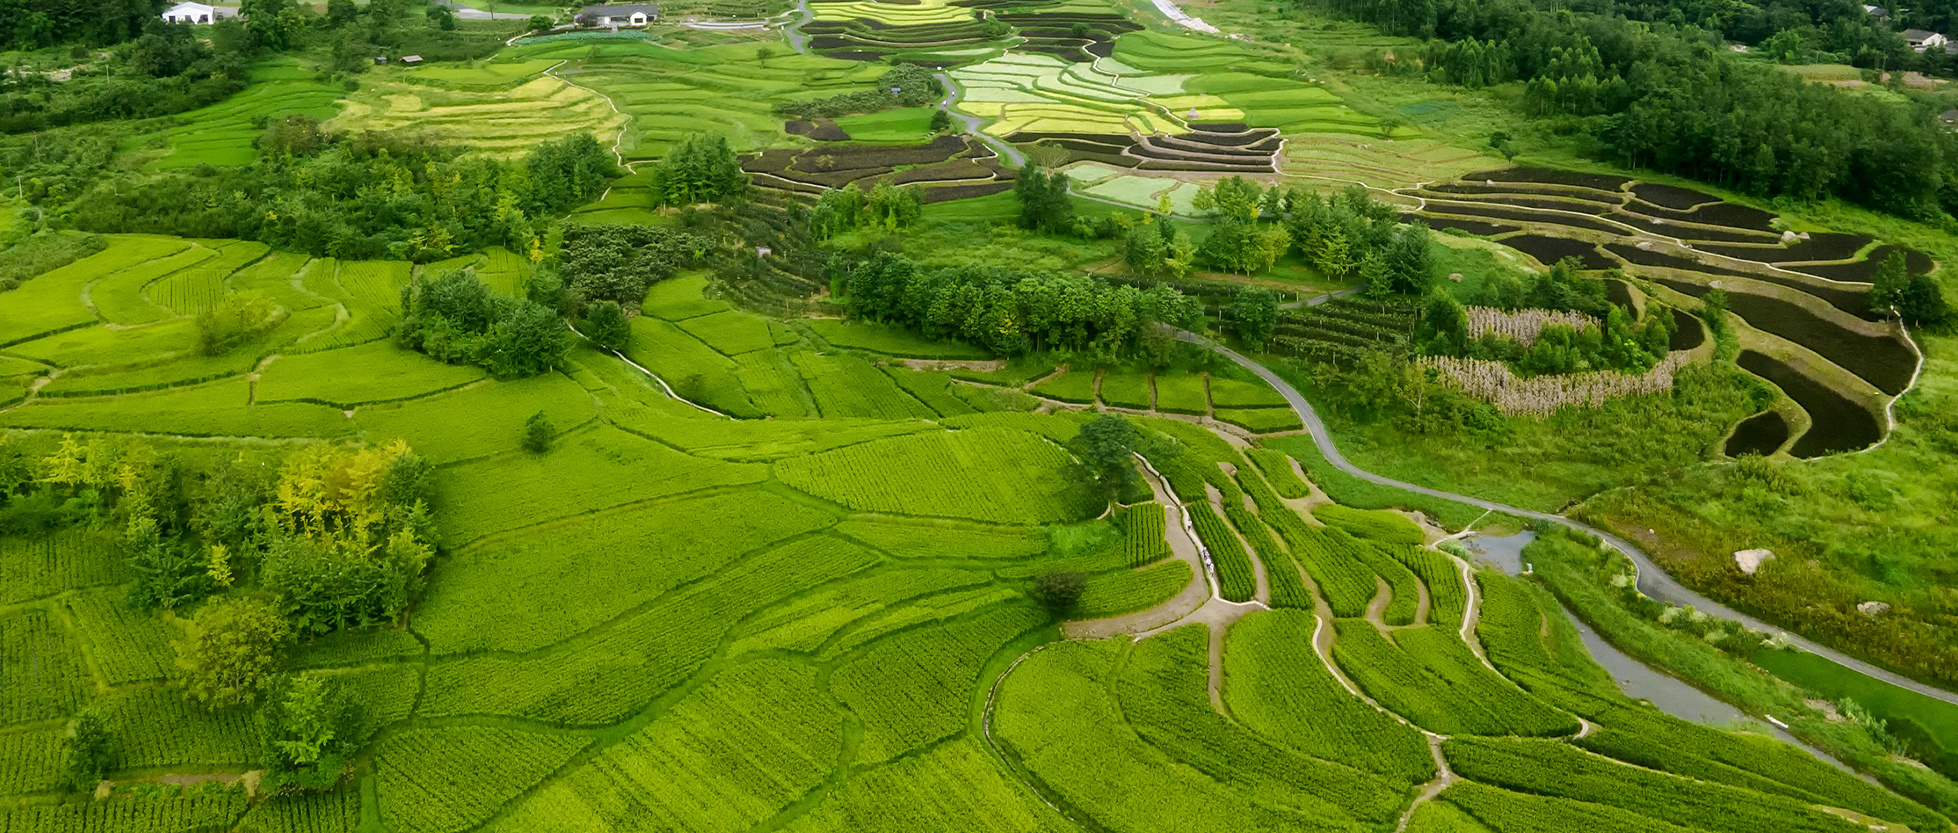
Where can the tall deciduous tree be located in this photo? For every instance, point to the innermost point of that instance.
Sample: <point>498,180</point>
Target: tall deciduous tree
<point>703,168</point>
<point>1104,453</point>
<point>1044,204</point>
<point>231,651</point>
<point>1254,313</point>
<point>606,325</point>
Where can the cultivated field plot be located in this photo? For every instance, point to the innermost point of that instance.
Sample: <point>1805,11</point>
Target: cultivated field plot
<point>502,110</point>
<point>726,90</point>
<point>1800,294</point>
<point>222,134</point>
<point>708,623</point>
<point>946,168</point>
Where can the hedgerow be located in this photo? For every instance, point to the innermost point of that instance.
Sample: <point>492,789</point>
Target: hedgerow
<point>1238,582</point>
<point>728,756</point>
<point>988,474</point>
<point>442,779</point>
<point>1162,692</point>
<point>40,669</point>
<point>911,690</point>
<point>1125,591</point>
<point>1278,469</point>
<point>1055,718</point>
<point>642,553</point>
<point>622,667</point>
<point>1511,811</point>
<point>1143,533</point>
<point>1374,525</point>
<point>940,539</point>
<point>1447,598</point>
<point>164,811</point>
<point>1431,679</point>
<point>1555,769</point>
<point>1277,686</point>
<point>1333,559</point>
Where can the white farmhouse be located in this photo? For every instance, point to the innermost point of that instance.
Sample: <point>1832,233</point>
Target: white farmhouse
<point>1921,39</point>
<point>632,15</point>
<point>188,12</point>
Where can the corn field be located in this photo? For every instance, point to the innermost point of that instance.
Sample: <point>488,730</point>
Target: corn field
<point>1522,325</point>
<point>1493,382</point>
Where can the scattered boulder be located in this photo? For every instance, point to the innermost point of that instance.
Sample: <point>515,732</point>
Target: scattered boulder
<point>1788,238</point>
<point>1750,561</point>
<point>1455,276</point>
<point>1873,609</point>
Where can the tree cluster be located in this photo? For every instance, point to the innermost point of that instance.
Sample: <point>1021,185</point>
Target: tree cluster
<point>367,195</point>
<point>1617,343</point>
<point>702,169</point>
<point>456,318</point>
<point>849,208</point>
<point>1011,313</point>
<point>1914,298</point>
<point>1158,249</point>
<point>905,85</point>
<point>619,263</point>
<point>165,68</point>
<point>1044,204</point>
<point>1669,96</point>
<point>332,537</point>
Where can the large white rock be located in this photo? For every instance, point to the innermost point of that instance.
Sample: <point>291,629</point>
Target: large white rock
<point>1751,560</point>
<point>1873,608</point>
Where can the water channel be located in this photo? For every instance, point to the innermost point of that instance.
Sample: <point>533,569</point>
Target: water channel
<point>1665,692</point>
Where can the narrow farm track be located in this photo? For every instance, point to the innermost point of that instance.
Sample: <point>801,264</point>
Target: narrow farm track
<point>1652,580</point>
<point>1007,152</point>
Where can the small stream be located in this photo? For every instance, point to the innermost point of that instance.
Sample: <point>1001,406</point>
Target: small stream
<point>1665,692</point>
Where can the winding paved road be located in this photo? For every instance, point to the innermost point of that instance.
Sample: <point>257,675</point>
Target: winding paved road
<point>1652,581</point>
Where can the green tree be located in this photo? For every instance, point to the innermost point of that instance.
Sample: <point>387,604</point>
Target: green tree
<point>1888,285</point>
<point>941,121</point>
<point>1059,591</point>
<point>1104,455</point>
<point>539,23</point>
<point>606,325</point>
<point>306,729</point>
<point>231,650</point>
<point>86,752</point>
<point>443,17</point>
<point>1922,302</point>
<point>538,433</point>
<point>1044,204</point>
<point>1254,313</point>
<point>340,13</point>
<point>703,168</point>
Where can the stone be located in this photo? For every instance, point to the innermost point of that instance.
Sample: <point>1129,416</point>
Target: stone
<point>1873,608</point>
<point>1455,276</point>
<point>1788,238</point>
<point>1750,561</point>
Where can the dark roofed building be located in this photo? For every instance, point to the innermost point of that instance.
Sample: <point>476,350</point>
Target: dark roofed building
<point>632,15</point>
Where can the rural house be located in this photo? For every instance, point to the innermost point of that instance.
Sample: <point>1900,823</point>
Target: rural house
<point>632,15</point>
<point>1922,39</point>
<point>193,13</point>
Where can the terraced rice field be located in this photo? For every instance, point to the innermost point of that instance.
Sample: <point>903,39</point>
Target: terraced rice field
<point>1815,335</point>
<point>725,90</point>
<point>222,134</point>
<point>468,107</point>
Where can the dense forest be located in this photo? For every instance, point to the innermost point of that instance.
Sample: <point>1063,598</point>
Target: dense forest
<point>1672,98</point>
